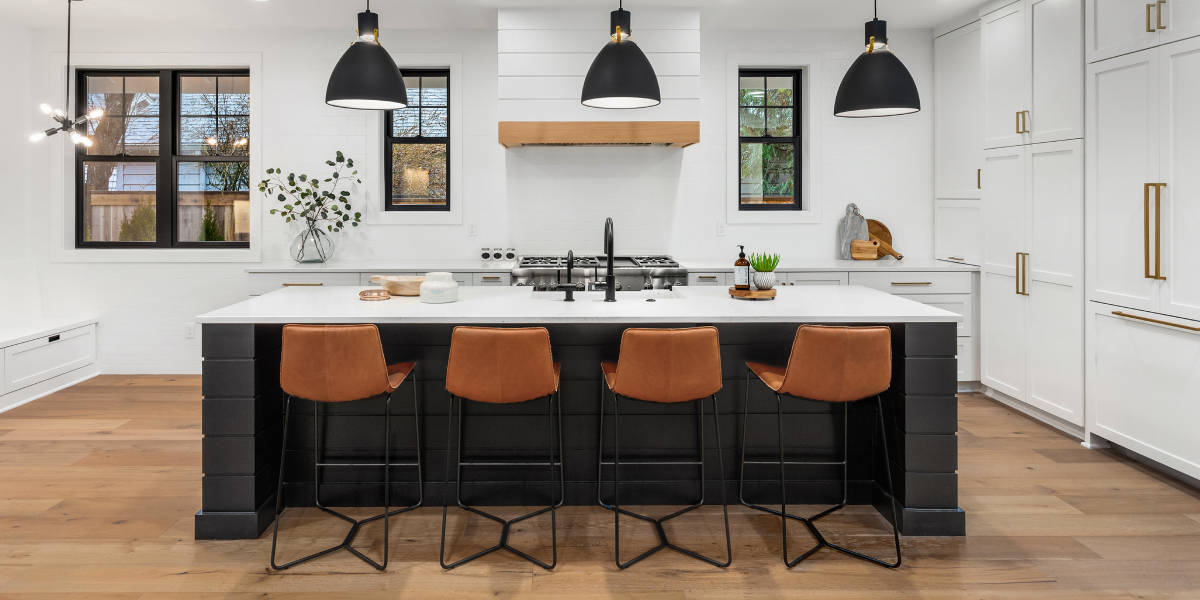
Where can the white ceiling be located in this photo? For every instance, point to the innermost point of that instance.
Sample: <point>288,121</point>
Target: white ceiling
<point>470,14</point>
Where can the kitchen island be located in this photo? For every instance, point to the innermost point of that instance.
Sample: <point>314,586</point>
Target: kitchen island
<point>242,405</point>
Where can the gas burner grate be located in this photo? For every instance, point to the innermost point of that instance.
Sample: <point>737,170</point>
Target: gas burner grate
<point>655,261</point>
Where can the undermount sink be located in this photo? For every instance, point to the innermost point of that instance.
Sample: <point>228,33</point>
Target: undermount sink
<point>637,296</point>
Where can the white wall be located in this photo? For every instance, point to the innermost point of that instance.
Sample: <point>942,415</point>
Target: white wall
<point>537,199</point>
<point>19,290</point>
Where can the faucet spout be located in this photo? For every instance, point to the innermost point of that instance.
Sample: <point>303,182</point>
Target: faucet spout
<point>610,279</point>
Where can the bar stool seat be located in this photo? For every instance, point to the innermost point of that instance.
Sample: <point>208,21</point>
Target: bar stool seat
<point>663,366</point>
<point>496,365</point>
<point>838,365</point>
<point>328,364</point>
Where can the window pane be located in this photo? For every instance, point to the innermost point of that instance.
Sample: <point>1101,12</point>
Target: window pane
<point>197,95</point>
<point>233,95</point>
<point>750,91</point>
<point>213,201</point>
<point>433,122</point>
<point>419,174</point>
<point>412,87</point>
<point>233,137</point>
<point>750,122</point>
<point>106,93</point>
<point>197,135</point>
<point>433,91</point>
<point>767,173</point>
<point>779,91</point>
<point>119,201</point>
<point>141,95</point>
<point>779,122</point>
<point>141,136</point>
<point>405,122</point>
<point>107,134</point>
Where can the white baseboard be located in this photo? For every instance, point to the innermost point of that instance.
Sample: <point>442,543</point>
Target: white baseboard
<point>966,387</point>
<point>30,393</point>
<point>1037,414</point>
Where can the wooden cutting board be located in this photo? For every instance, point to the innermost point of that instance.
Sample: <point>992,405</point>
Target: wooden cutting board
<point>880,233</point>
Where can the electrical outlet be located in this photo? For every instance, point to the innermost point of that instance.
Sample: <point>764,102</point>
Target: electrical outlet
<point>189,331</point>
<point>472,229</point>
<point>720,229</point>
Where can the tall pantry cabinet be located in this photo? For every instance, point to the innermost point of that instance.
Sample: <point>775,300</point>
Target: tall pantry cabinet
<point>1032,198</point>
<point>1143,209</point>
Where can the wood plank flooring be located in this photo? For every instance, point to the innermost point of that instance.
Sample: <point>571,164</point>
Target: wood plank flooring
<point>99,484</point>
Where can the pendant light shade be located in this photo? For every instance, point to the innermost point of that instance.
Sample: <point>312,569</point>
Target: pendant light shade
<point>366,77</point>
<point>620,75</point>
<point>877,84</point>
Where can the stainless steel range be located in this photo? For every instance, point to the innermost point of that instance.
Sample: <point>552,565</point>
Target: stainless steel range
<point>546,273</point>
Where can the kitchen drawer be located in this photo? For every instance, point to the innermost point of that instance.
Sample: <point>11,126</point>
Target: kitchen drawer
<point>815,278</point>
<point>708,278</point>
<point>261,283</point>
<point>365,278</point>
<point>504,279</point>
<point>915,282</point>
<point>37,360</point>
<point>959,304</point>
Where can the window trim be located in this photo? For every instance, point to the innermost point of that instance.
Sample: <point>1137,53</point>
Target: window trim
<point>166,164</point>
<point>389,140</point>
<point>796,139</point>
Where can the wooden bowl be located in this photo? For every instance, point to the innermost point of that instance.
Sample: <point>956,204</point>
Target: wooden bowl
<point>400,285</point>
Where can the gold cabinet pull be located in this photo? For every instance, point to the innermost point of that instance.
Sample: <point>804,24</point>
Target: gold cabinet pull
<point>955,258</point>
<point>1017,273</point>
<point>912,283</point>
<point>979,179</point>
<point>1155,321</point>
<point>1025,121</point>
<point>1158,12</point>
<point>1158,188</point>
<point>1018,117</point>
<point>1146,231</point>
<point>303,284</point>
<point>1022,273</point>
<point>1149,23</point>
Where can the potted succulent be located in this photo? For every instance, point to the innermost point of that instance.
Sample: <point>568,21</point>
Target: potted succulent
<point>764,270</point>
<point>319,203</point>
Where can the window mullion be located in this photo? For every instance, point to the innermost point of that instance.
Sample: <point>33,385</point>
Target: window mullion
<point>165,178</point>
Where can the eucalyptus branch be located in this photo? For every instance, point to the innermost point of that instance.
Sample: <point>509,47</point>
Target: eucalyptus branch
<point>319,202</point>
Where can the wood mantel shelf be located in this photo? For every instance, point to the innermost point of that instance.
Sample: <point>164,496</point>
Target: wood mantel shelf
<point>679,134</point>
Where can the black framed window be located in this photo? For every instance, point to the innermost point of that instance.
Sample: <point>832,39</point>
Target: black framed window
<point>769,140</point>
<point>416,142</point>
<point>169,166</point>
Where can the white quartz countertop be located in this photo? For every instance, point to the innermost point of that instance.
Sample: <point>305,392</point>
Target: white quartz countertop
<point>832,264</point>
<point>696,265</point>
<point>502,305</point>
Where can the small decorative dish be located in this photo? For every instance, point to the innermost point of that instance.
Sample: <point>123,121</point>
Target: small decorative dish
<point>374,295</point>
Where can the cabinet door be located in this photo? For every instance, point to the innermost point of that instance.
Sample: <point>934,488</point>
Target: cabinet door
<point>958,230</point>
<point>958,137</point>
<point>1003,339</point>
<point>1006,73</point>
<point>1179,153</point>
<point>1004,208</point>
<point>1122,156</point>
<point>1142,382</point>
<point>1180,19</point>
<point>1057,85</point>
<point>1115,27</point>
<point>814,278</point>
<point>1054,278</point>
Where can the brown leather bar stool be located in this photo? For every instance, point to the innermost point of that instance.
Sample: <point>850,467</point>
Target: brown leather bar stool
<point>328,364</point>
<point>828,364</point>
<point>666,366</point>
<point>503,366</point>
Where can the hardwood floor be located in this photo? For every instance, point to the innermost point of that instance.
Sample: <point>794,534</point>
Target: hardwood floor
<point>99,484</point>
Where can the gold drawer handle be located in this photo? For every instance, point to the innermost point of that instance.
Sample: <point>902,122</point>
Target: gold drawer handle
<point>303,284</point>
<point>955,258</point>
<point>706,276</point>
<point>1156,321</point>
<point>491,278</point>
<point>1158,14</point>
<point>1149,22</point>
<point>915,283</point>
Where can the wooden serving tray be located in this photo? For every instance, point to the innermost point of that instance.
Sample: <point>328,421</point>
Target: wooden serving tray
<point>752,294</point>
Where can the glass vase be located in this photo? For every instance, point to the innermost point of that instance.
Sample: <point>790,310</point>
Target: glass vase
<point>312,246</point>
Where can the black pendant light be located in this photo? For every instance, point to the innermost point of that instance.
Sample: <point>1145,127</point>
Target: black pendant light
<point>366,77</point>
<point>620,75</point>
<point>877,84</point>
<point>65,123</point>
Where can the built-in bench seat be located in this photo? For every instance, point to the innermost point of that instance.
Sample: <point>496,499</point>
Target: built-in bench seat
<point>40,355</point>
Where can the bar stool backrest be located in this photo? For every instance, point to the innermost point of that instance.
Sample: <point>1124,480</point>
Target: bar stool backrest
<point>839,364</point>
<point>500,365</point>
<point>669,365</point>
<point>332,363</point>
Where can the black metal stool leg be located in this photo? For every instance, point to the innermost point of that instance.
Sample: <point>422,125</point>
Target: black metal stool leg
<point>506,525</point>
<point>664,541</point>
<point>744,462</point>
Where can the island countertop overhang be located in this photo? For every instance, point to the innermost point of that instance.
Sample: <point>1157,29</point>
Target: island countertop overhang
<point>511,305</point>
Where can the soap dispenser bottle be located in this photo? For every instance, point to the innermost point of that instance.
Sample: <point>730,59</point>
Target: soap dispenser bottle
<point>741,271</point>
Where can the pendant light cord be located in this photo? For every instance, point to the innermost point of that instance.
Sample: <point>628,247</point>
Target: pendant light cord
<point>67,92</point>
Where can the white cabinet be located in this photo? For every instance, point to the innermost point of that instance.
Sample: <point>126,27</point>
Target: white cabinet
<point>1144,188</point>
<point>1142,382</point>
<point>1030,61</point>
<point>45,357</point>
<point>958,230</point>
<point>493,279</point>
<point>814,278</point>
<point>1116,27</point>
<point>956,118</point>
<point>261,283</point>
<point>1031,287</point>
<point>708,278</point>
